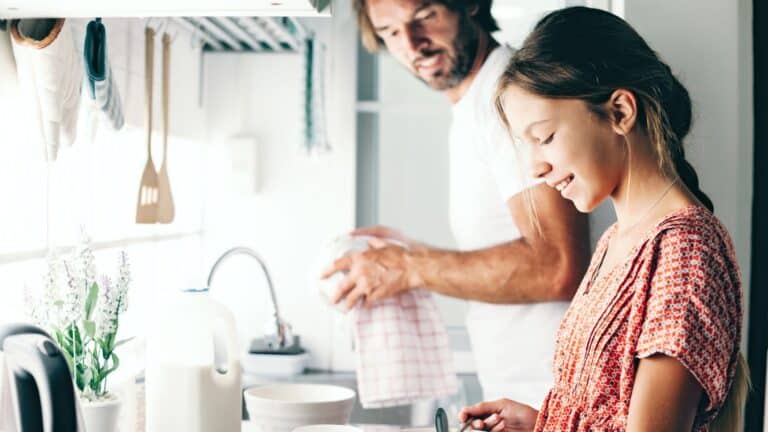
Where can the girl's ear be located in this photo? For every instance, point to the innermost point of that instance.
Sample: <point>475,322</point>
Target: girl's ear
<point>622,108</point>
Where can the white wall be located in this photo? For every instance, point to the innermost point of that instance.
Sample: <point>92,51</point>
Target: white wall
<point>708,44</point>
<point>304,200</point>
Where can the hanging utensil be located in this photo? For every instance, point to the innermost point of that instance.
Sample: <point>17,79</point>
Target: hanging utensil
<point>165,208</point>
<point>146,208</point>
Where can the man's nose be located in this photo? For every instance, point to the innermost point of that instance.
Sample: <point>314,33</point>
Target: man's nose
<point>415,40</point>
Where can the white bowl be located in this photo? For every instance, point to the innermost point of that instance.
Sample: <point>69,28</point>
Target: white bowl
<point>284,407</point>
<point>327,428</point>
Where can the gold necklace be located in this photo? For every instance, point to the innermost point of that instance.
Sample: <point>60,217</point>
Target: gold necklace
<point>648,211</point>
<point>629,229</point>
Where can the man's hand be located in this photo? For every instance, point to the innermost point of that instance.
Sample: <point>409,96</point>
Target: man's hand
<point>502,415</point>
<point>386,233</point>
<point>378,273</point>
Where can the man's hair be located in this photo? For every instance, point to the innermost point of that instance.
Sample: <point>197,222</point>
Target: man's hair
<point>372,42</point>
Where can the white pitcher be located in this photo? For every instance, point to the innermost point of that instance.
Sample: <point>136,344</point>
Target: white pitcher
<point>193,377</point>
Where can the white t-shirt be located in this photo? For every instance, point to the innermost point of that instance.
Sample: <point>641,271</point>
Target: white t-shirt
<point>513,345</point>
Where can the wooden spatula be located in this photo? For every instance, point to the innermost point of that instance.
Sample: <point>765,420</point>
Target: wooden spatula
<point>146,207</point>
<point>165,208</point>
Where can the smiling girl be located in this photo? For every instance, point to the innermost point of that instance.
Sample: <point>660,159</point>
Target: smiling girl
<point>651,340</point>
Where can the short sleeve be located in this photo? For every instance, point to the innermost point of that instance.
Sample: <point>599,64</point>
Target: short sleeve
<point>509,162</point>
<point>693,310</point>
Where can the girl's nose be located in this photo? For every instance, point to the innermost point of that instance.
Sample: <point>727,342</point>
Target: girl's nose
<point>540,169</point>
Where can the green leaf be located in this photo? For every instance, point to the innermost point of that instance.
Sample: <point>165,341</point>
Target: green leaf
<point>68,357</point>
<point>90,328</point>
<point>80,380</point>
<point>115,365</point>
<point>91,300</point>
<point>124,341</point>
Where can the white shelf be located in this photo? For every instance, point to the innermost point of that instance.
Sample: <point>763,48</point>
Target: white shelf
<point>156,8</point>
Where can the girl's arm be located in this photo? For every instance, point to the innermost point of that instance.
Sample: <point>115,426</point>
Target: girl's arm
<point>664,398</point>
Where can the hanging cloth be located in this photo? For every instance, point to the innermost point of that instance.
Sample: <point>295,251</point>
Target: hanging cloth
<point>315,138</point>
<point>103,89</point>
<point>50,78</point>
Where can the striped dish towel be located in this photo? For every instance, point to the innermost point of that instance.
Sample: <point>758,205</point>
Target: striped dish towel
<point>403,354</point>
<point>103,88</point>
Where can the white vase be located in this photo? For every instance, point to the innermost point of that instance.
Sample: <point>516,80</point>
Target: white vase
<point>101,416</point>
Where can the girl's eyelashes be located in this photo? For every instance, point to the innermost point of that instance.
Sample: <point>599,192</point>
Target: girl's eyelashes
<point>548,140</point>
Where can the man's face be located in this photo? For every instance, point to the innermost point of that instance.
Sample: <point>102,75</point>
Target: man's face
<point>435,43</point>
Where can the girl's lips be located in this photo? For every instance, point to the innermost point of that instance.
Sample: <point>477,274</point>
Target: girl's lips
<point>564,183</point>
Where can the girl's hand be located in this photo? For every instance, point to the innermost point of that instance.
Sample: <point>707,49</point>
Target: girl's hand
<point>502,415</point>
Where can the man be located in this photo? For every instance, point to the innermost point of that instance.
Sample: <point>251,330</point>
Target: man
<point>517,270</point>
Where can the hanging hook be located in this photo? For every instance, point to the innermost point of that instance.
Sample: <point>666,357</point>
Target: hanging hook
<point>159,27</point>
<point>163,25</point>
<point>175,30</point>
<point>199,33</point>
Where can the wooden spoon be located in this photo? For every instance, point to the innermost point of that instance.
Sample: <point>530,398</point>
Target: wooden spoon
<point>146,207</point>
<point>165,208</point>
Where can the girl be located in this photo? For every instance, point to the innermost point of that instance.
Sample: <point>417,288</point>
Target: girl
<point>651,340</point>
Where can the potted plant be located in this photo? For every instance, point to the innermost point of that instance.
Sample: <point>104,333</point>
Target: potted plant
<point>81,310</point>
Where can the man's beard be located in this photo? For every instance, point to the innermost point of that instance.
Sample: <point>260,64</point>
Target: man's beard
<point>462,58</point>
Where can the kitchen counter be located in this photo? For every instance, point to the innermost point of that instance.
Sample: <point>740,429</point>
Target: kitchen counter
<point>392,419</point>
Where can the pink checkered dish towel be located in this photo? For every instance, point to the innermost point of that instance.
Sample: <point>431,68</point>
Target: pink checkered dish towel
<point>403,354</point>
<point>402,347</point>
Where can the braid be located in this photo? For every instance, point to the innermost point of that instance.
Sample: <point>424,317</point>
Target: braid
<point>688,176</point>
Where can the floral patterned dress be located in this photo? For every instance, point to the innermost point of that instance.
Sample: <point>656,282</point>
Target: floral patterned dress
<point>679,294</point>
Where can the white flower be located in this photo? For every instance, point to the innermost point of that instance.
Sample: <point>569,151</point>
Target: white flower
<point>72,309</point>
<point>123,280</point>
<point>85,258</point>
<point>108,306</point>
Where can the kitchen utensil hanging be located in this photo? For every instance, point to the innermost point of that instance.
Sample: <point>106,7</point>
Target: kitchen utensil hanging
<point>165,208</point>
<point>146,207</point>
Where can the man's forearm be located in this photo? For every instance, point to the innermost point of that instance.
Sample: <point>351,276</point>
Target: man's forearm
<point>513,272</point>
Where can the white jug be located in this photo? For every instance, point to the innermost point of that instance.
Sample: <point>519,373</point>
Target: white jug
<point>193,377</point>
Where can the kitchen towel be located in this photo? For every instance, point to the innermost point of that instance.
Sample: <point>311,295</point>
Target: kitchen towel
<point>402,348</point>
<point>50,77</point>
<point>102,86</point>
<point>315,134</point>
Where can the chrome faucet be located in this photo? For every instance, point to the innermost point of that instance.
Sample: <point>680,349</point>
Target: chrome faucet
<point>282,335</point>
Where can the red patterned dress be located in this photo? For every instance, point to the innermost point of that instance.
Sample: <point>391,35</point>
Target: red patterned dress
<point>678,293</point>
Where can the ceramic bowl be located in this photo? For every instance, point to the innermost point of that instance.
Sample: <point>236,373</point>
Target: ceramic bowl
<point>327,428</point>
<point>284,407</point>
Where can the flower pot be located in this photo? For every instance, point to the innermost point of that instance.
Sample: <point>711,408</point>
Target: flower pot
<point>101,416</point>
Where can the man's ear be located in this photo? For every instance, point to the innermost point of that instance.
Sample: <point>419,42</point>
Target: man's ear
<point>622,109</point>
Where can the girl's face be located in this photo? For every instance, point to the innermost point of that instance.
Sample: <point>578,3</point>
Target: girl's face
<point>571,148</point>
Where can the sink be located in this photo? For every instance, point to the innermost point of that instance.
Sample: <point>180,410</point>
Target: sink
<point>417,414</point>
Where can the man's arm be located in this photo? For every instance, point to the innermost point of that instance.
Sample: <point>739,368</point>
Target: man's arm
<point>545,265</point>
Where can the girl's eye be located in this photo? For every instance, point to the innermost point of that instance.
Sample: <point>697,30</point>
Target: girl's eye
<point>548,140</point>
